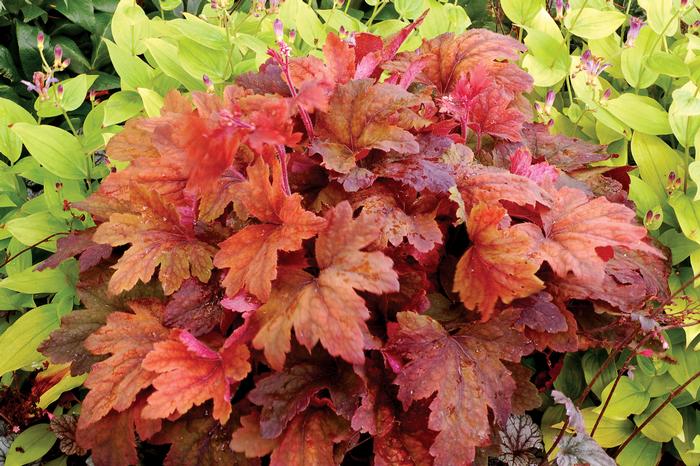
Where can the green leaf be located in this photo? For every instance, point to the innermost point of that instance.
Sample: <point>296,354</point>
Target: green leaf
<point>57,150</point>
<point>655,160</point>
<point>687,99</point>
<point>640,452</point>
<point>680,246</point>
<point>152,102</point>
<point>74,92</point>
<point>640,113</point>
<point>32,281</point>
<point>197,29</point>
<point>300,15</point>
<point>548,60</point>
<point>130,27</point>
<point>166,57</point>
<point>409,9</point>
<point>169,5</point>
<point>668,64</point>
<point>22,258</point>
<point>522,12</point>
<point>660,16</point>
<point>591,362</point>
<point>688,364</point>
<point>21,340</point>
<point>10,143</point>
<point>628,398</point>
<point>610,432</point>
<point>590,23</point>
<point>67,383</point>
<point>132,70</point>
<point>30,445</point>
<point>633,59</point>
<point>663,426</point>
<point>33,228</point>
<point>121,106</point>
<point>199,60</point>
<point>688,215</point>
<point>78,11</point>
<point>8,70</point>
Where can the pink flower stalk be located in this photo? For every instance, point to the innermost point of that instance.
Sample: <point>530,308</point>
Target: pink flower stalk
<point>635,26</point>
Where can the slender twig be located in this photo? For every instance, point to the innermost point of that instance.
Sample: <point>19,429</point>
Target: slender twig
<point>11,258</point>
<point>670,398</point>
<point>620,372</point>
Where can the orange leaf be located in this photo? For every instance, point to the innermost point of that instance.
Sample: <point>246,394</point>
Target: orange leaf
<point>115,382</point>
<point>498,265</point>
<point>160,235</point>
<point>251,254</point>
<point>190,373</point>
<point>327,308</point>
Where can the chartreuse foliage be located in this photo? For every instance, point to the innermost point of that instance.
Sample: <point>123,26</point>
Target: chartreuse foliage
<point>52,147</point>
<point>630,79</point>
<point>357,245</point>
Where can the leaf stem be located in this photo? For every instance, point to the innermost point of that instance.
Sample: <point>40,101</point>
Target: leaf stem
<point>11,258</point>
<point>70,124</point>
<point>282,155</point>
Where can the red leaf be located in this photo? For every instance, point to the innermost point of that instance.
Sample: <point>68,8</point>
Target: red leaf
<point>251,254</point>
<point>78,243</point>
<point>465,373</point>
<point>112,440</point>
<point>115,382</point>
<point>343,134</point>
<point>195,307</point>
<point>285,394</point>
<point>500,264</point>
<point>190,373</point>
<point>196,439</point>
<point>339,67</point>
<point>539,313</point>
<point>327,308</point>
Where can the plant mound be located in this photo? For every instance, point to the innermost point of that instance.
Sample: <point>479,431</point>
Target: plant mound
<point>342,257</point>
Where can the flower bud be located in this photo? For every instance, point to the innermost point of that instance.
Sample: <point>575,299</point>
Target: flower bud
<point>292,35</point>
<point>549,101</point>
<point>635,26</point>
<point>40,40</point>
<point>560,10</point>
<point>279,30</point>
<point>208,83</point>
<point>684,4</point>
<point>59,92</point>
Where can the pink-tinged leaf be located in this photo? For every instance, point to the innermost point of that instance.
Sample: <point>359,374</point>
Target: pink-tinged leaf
<point>195,307</point>
<point>539,313</point>
<point>78,243</point>
<point>541,173</point>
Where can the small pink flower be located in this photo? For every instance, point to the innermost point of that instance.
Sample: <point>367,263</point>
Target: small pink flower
<point>40,40</point>
<point>560,10</point>
<point>278,27</point>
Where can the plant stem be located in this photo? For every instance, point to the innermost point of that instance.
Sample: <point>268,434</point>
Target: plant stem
<point>377,9</point>
<point>11,258</point>
<point>670,398</point>
<point>620,372</point>
<point>70,125</point>
<point>282,155</point>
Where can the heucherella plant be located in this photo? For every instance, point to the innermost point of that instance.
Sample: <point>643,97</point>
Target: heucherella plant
<point>54,155</point>
<point>341,249</point>
<point>628,78</point>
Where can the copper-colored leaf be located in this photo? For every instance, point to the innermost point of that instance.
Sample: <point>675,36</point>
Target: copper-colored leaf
<point>449,57</point>
<point>251,254</point>
<point>190,373</point>
<point>500,264</point>
<point>464,371</point>
<point>576,228</point>
<point>195,307</point>
<point>127,338</point>
<point>327,308</point>
<point>78,243</point>
<point>159,235</point>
